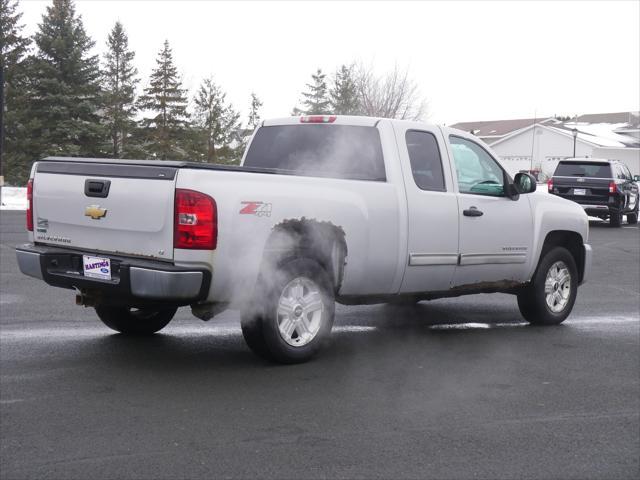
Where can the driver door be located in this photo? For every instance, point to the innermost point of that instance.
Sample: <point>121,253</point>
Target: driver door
<point>495,231</point>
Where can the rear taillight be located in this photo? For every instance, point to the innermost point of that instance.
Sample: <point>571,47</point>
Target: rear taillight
<point>550,185</point>
<point>30,205</point>
<point>613,188</point>
<point>196,221</point>
<point>318,119</point>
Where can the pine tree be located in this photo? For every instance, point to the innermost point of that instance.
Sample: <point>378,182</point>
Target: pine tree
<point>13,50</point>
<point>216,120</point>
<point>65,86</point>
<point>316,99</point>
<point>119,79</point>
<point>167,101</point>
<point>344,93</point>
<point>254,112</point>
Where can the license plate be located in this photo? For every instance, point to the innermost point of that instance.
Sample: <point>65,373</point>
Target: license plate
<point>579,191</point>
<point>96,267</point>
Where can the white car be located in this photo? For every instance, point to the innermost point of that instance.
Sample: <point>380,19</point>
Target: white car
<point>323,209</point>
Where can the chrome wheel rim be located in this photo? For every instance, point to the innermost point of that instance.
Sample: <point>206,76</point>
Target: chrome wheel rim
<point>557,287</point>
<point>299,312</point>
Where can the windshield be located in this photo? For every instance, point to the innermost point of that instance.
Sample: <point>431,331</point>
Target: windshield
<point>340,151</point>
<point>585,169</point>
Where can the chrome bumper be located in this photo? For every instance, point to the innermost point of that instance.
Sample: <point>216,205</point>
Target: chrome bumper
<point>134,278</point>
<point>600,208</point>
<point>146,283</point>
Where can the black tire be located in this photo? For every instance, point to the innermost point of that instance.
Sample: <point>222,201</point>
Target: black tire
<point>632,218</point>
<point>131,321</point>
<point>532,300</point>
<point>615,218</point>
<point>261,323</point>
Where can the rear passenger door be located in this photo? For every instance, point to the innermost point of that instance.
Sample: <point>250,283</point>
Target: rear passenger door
<point>432,210</point>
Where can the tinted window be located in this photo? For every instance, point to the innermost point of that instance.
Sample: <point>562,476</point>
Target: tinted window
<point>426,164</point>
<point>339,151</point>
<point>477,171</point>
<point>585,169</point>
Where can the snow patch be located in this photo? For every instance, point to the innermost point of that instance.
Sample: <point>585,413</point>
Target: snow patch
<point>13,198</point>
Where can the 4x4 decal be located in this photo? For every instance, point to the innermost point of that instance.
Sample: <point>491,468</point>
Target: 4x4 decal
<point>260,209</point>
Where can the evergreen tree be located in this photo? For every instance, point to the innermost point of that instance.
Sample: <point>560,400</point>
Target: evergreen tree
<point>167,101</point>
<point>316,99</point>
<point>217,122</point>
<point>254,112</point>
<point>344,93</point>
<point>119,79</point>
<point>65,90</point>
<point>13,49</point>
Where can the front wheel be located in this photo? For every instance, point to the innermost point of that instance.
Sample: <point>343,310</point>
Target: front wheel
<point>549,298</point>
<point>292,314</point>
<point>135,321</point>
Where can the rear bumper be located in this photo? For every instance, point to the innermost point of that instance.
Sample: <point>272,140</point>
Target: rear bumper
<point>134,281</point>
<point>596,209</point>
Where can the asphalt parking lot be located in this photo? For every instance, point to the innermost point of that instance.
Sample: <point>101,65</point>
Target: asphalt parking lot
<point>455,388</point>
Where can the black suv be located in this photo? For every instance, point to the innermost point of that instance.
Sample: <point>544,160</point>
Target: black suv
<point>604,188</point>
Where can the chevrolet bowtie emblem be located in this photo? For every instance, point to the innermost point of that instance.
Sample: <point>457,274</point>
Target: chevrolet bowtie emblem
<point>95,211</point>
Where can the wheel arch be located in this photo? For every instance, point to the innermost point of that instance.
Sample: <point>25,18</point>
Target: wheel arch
<point>317,240</point>
<point>570,240</point>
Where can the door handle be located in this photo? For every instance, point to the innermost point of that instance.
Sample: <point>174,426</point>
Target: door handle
<point>472,212</point>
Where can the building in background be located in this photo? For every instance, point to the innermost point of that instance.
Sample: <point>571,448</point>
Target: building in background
<point>539,144</point>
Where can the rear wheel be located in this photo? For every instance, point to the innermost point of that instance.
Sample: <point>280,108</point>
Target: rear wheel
<point>632,218</point>
<point>550,297</point>
<point>615,218</point>
<point>135,321</point>
<point>292,314</point>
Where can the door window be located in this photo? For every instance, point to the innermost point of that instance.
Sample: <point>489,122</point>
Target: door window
<point>426,164</point>
<point>477,171</point>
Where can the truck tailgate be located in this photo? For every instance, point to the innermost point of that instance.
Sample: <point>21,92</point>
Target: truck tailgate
<point>116,208</point>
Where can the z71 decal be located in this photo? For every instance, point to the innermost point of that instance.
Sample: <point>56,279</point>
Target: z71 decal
<point>260,209</point>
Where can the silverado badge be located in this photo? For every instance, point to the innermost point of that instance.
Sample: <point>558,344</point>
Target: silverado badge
<point>95,212</point>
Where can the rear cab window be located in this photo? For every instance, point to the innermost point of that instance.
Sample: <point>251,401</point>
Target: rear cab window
<point>426,162</point>
<point>584,169</point>
<point>336,151</point>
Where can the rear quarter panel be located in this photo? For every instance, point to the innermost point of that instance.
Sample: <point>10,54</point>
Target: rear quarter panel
<point>366,211</point>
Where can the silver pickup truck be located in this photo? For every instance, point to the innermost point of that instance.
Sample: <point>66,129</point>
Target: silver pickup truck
<point>323,209</point>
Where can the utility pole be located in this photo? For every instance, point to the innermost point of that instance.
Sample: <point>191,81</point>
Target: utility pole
<point>1,127</point>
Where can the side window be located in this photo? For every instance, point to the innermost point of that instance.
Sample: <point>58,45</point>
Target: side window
<point>627,173</point>
<point>620,172</point>
<point>426,164</point>
<point>477,171</point>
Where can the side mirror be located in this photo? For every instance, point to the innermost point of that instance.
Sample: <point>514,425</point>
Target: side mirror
<point>524,182</point>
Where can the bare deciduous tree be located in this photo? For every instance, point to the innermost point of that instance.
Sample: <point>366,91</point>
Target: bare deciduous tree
<point>393,95</point>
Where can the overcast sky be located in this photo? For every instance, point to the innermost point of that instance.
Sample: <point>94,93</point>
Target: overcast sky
<point>472,60</point>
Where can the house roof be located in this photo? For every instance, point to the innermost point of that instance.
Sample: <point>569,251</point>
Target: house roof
<point>595,137</point>
<point>497,128</point>
<point>631,119</point>
<point>603,134</point>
